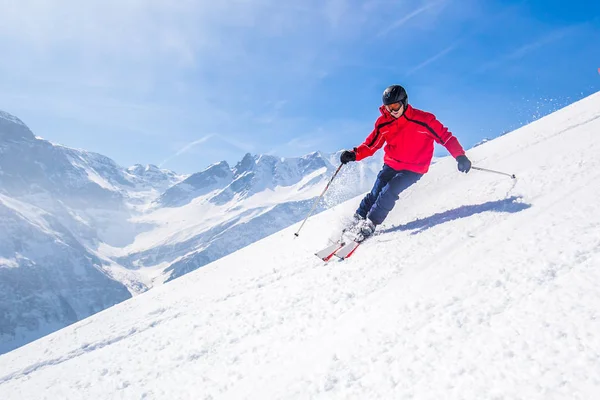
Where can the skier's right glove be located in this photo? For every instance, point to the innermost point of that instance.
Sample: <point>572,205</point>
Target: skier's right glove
<point>347,156</point>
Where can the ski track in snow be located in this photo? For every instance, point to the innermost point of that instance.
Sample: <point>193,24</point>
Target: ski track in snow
<point>479,287</point>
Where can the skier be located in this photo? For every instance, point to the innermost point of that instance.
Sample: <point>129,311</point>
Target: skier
<point>409,134</point>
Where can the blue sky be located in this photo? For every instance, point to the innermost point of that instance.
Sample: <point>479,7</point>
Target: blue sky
<point>184,84</point>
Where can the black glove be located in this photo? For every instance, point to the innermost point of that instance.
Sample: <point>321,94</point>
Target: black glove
<point>347,156</point>
<point>464,164</point>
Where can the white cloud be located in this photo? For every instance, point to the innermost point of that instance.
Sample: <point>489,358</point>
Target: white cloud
<point>432,59</point>
<point>529,47</point>
<point>335,11</point>
<point>413,14</point>
<point>108,33</point>
<point>187,148</point>
<point>238,144</point>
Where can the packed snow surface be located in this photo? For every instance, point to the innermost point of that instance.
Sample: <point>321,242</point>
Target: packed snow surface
<point>477,287</point>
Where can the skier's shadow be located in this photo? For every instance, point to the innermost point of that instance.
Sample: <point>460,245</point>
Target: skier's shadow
<point>508,205</point>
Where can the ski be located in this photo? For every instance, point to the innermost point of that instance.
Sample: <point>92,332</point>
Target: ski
<point>347,250</point>
<point>342,248</point>
<point>328,252</point>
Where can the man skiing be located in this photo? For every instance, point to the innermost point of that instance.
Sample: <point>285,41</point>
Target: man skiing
<point>409,135</point>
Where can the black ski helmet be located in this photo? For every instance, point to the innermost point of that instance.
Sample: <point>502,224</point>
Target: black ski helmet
<point>395,94</point>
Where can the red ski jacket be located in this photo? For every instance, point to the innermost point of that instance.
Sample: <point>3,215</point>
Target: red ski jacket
<point>409,140</point>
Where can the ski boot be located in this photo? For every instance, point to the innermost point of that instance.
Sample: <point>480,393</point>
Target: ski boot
<point>351,228</point>
<point>366,229</point>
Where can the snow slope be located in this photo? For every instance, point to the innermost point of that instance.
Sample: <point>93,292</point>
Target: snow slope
<point>479,287</point>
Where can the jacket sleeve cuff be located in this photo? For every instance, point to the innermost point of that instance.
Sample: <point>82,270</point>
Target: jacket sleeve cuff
<point>359,153</point>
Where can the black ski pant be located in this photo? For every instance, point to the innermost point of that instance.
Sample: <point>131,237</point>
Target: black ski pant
<point>377,204</point>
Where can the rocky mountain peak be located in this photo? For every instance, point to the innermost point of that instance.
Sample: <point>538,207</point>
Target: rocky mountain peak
<point>13,129</point>
<point>246,164</point>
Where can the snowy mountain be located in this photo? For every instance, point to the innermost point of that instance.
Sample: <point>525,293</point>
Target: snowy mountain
<point>30,166</point>
<point>253,174</point>
<point>153,177</point>
<point>57,206</point>
<point>140,226</point>
<point>47,278</point>
<point>477,287</point>
<point>221,209</point>
<point>216,176</point>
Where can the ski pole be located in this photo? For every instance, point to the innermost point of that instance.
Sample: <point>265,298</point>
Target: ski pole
<point>495,172</point>
<point>319,198</point>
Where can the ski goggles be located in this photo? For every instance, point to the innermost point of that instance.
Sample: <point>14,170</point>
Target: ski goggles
<point>394,107</point>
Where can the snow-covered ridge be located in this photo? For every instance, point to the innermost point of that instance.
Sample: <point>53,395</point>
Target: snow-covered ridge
<point>12,130</point>
<point>11,118</point>
<point>253,174</point>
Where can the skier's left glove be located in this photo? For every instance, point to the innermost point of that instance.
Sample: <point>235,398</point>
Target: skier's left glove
<point>347,156</point>
<point>464,164</point>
